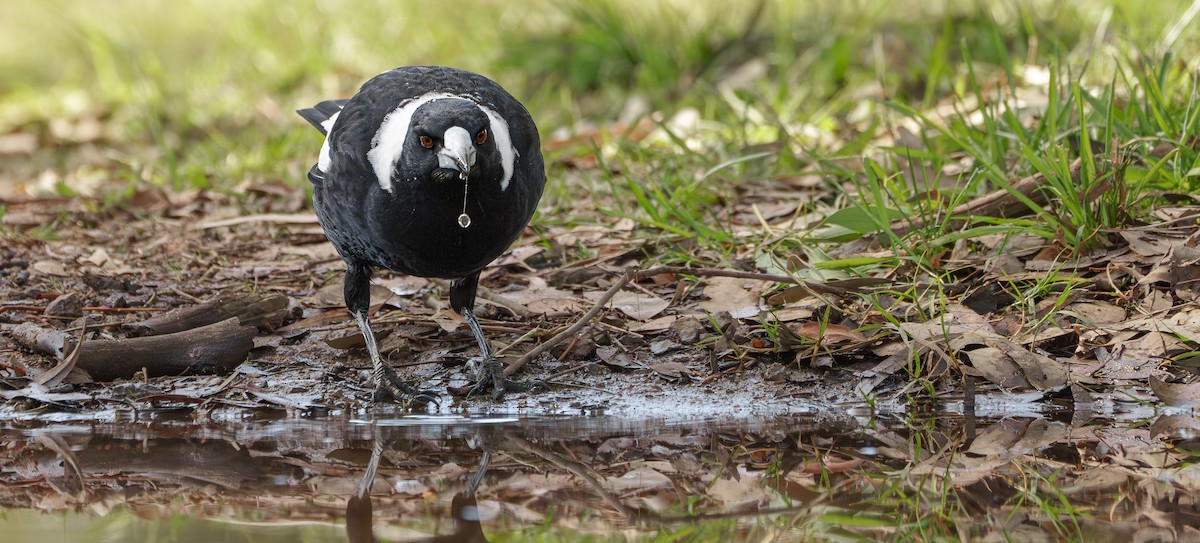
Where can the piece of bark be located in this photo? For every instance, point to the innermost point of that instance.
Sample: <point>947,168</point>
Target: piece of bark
<point>216,348</point>
<point>67,305</point>
<point>250,310</point>
<point>60,372</point>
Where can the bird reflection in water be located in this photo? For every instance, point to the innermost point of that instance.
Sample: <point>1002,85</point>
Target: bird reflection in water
<point>463,508</point>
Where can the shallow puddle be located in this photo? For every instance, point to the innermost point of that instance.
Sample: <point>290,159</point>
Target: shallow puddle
<point>174,476</point>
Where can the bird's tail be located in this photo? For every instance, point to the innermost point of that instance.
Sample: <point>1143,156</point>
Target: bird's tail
<point>321,114</point>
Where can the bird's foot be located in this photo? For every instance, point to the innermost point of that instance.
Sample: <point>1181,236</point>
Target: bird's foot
<point>389,388</point>
<point>490,375</point>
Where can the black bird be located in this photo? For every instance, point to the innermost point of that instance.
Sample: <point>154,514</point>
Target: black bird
<point>429,171</point>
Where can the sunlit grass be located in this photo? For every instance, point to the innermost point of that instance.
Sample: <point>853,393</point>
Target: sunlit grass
<point>200,94</point>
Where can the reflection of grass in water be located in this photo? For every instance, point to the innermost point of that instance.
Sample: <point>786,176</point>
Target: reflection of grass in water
<point>120,525</point>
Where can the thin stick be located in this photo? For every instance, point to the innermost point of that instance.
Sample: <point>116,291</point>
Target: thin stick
<point>105,309</point>
<point>569,371</point>
<point>574,328</point>
<point>518,341</point>
<point>712,272</point>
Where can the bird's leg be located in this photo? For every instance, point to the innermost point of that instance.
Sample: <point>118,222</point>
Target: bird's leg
<point>388,385</point>
<point>490,374</point>
<point>491,371</point>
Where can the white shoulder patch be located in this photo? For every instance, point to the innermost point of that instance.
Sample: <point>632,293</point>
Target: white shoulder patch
<point>323,159</point>
<point>508,153</point>
<point>388,142</point>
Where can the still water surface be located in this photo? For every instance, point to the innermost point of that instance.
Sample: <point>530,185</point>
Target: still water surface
<point>174,476</point>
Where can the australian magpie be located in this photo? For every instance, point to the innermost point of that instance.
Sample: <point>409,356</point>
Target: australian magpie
<point>428,171</point>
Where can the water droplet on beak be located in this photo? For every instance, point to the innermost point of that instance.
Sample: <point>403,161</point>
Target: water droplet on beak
<point>464,220</point>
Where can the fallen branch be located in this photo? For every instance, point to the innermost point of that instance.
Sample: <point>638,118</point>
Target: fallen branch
<point>213,349</point>
<point>249,309</point>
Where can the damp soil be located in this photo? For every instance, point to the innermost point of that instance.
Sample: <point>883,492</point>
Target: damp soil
<point>703,404</point>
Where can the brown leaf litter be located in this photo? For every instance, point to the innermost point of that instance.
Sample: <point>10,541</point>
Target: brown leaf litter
<point>1109,320</point>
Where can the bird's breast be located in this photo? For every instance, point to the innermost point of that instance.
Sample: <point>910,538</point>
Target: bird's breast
<point>416,229</point>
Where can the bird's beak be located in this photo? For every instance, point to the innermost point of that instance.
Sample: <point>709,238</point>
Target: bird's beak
<point>457,152</point>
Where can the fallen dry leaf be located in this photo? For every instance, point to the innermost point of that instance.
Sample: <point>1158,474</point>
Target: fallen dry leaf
<point>996,366</point>
<point>52,267</point>
<point>1094,313</point>
<point>829,334</point>
<point>658,324</point>
<point>1042,372</point>
<point>541,299</point>
<point>60,371</point>
<point>638,480</point>
<point>743,493</point>
<point>1176,394</point>
<point>740,297</point>
<point>670,369</point>
<point>1173,425</point>
<point>638,306</point>
<point>1011,437</point>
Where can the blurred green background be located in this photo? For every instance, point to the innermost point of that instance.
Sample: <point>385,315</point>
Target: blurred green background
<point>110,94</point>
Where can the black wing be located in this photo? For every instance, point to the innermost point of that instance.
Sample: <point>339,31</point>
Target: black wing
<point>321,112</point>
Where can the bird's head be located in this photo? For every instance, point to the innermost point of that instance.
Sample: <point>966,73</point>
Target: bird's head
<point>440,137</point>
<point>451,139</point>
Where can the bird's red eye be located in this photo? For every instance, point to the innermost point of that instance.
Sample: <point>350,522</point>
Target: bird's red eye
<point>426,141</point>
<point>481,137</point>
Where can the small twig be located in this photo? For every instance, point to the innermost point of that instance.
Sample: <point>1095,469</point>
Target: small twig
<point>619,330</point>
<point>183,294</point>
<point>579,386</point>
<point>713,272</point>
<point>574,328</point>
<point>103,309</point>
<point>568,371</point>
<point>37,308</point>
<point>570,346</point>
<point>518,341</point>
<point>1002,202</point>
<point>98,309</point>
<point>504,301</point>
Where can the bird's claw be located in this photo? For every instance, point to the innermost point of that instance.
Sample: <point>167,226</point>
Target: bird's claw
<point>389,388</point>
<point>490,375</point>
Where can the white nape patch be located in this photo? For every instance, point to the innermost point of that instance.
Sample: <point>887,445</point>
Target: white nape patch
<point>456,143</point>
<point>508,153</point>
<point>388,142</point>
<point>323,159</point>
